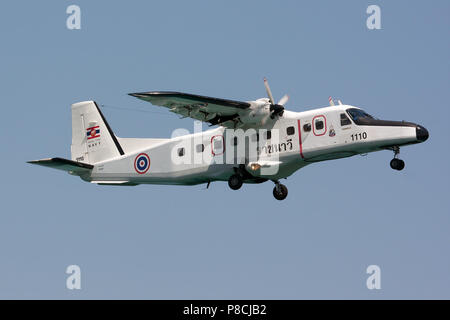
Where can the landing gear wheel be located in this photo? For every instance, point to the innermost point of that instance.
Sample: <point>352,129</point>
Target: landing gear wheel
<point>280,191</point>
<point>235,182</point>
<point>397,164</point>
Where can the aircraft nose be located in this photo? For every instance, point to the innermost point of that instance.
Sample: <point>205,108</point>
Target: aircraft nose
<point>421,133</point>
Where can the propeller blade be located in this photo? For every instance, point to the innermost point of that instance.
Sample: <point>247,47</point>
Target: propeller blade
<point>264,120</point>
<point>269,93</point>
<point>283,100</point>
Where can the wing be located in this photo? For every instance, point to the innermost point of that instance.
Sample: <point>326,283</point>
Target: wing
<point>213,110</point>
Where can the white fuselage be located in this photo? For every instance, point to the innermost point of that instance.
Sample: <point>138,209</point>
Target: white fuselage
<point>303,138</point>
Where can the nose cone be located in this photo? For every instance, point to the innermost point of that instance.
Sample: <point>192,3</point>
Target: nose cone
<point>421,133</point>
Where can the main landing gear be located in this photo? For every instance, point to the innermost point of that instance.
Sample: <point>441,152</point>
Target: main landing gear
<point>235,181</point>
<point>280,191</point>
<point>397,164</point>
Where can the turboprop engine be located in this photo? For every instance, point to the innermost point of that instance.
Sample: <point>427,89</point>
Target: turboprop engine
<point>263,109</point>
<point>258,112</point>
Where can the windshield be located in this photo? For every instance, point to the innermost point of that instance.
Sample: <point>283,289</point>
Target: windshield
<point>362,118</point>
<point>358,114</point>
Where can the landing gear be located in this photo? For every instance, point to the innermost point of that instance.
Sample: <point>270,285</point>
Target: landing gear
<point>280,191</point>
<point>235,181</point>
<point>397,164</point>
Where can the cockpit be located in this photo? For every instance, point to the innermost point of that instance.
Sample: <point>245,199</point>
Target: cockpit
<point>362,118</point>
<point>359,117</point>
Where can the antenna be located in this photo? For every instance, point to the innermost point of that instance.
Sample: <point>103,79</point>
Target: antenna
<point>330,99</point>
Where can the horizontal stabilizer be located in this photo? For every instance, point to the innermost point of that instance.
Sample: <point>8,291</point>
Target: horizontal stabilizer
<point>70,166</point>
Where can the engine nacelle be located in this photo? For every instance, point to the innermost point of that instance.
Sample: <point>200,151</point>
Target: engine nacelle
<point>258,112</point>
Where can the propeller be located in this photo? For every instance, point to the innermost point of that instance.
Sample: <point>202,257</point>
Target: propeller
<point>276,109</point>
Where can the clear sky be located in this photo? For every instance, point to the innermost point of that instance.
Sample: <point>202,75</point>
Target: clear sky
<point>164,242</point>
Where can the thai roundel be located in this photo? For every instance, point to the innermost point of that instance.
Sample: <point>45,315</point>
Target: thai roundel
<point>142,163</point>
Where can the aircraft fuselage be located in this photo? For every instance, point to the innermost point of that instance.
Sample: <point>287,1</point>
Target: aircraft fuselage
<point>294,141</point>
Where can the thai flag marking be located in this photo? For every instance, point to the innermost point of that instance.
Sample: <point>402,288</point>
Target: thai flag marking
<point>93,132</point>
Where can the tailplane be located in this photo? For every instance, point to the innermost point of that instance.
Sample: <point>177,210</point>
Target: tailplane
<point>72,167</point>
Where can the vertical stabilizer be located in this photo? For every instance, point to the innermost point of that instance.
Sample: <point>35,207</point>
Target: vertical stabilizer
<point>92,138</point>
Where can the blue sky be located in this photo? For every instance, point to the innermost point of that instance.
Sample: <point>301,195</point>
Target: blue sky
<point>164,242</point>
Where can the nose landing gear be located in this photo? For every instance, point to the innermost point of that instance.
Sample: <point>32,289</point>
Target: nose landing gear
<point>397,164</point>
<point>280,191</point>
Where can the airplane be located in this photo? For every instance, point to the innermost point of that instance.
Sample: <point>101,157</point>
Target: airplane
<point>250,142</point>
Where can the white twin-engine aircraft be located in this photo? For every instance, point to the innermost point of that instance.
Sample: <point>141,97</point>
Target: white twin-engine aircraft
<point>253,142</point>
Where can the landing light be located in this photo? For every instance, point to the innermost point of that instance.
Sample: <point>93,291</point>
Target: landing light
<point>255,166</point>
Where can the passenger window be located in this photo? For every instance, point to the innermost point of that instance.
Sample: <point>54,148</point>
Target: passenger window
<point>345,121</point>
<point>290,131</point>
<point>200,148</point>
<point>307,127</point>
<point>268,134</point>
<point>181,152</point>
<point>235,141</point>
<point>319,124</point>
<point>217,144</point>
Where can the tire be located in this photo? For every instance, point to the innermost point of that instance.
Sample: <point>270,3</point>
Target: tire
<point>280,194</point>
<point>235,182</point>
<point>397,164</point>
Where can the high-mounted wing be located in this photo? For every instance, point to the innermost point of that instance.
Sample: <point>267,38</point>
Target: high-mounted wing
<point>213,110</point>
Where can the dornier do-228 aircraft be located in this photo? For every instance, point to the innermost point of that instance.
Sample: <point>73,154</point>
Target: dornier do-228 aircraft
<point>253,142</point>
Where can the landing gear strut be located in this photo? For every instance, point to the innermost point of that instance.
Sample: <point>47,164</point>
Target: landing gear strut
<point>280,191</point>
<point>397,164</point>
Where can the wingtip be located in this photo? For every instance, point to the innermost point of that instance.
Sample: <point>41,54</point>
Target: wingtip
<point>138,94</point>
<point>39,160</point>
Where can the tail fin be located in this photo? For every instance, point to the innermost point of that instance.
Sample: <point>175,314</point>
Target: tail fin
<point>92,138</point>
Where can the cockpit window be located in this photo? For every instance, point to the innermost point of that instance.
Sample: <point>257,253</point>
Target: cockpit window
<point>345,121</point>
<point>358,115</point>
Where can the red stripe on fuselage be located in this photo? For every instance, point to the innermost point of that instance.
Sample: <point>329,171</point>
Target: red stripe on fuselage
<point>300,139</point>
